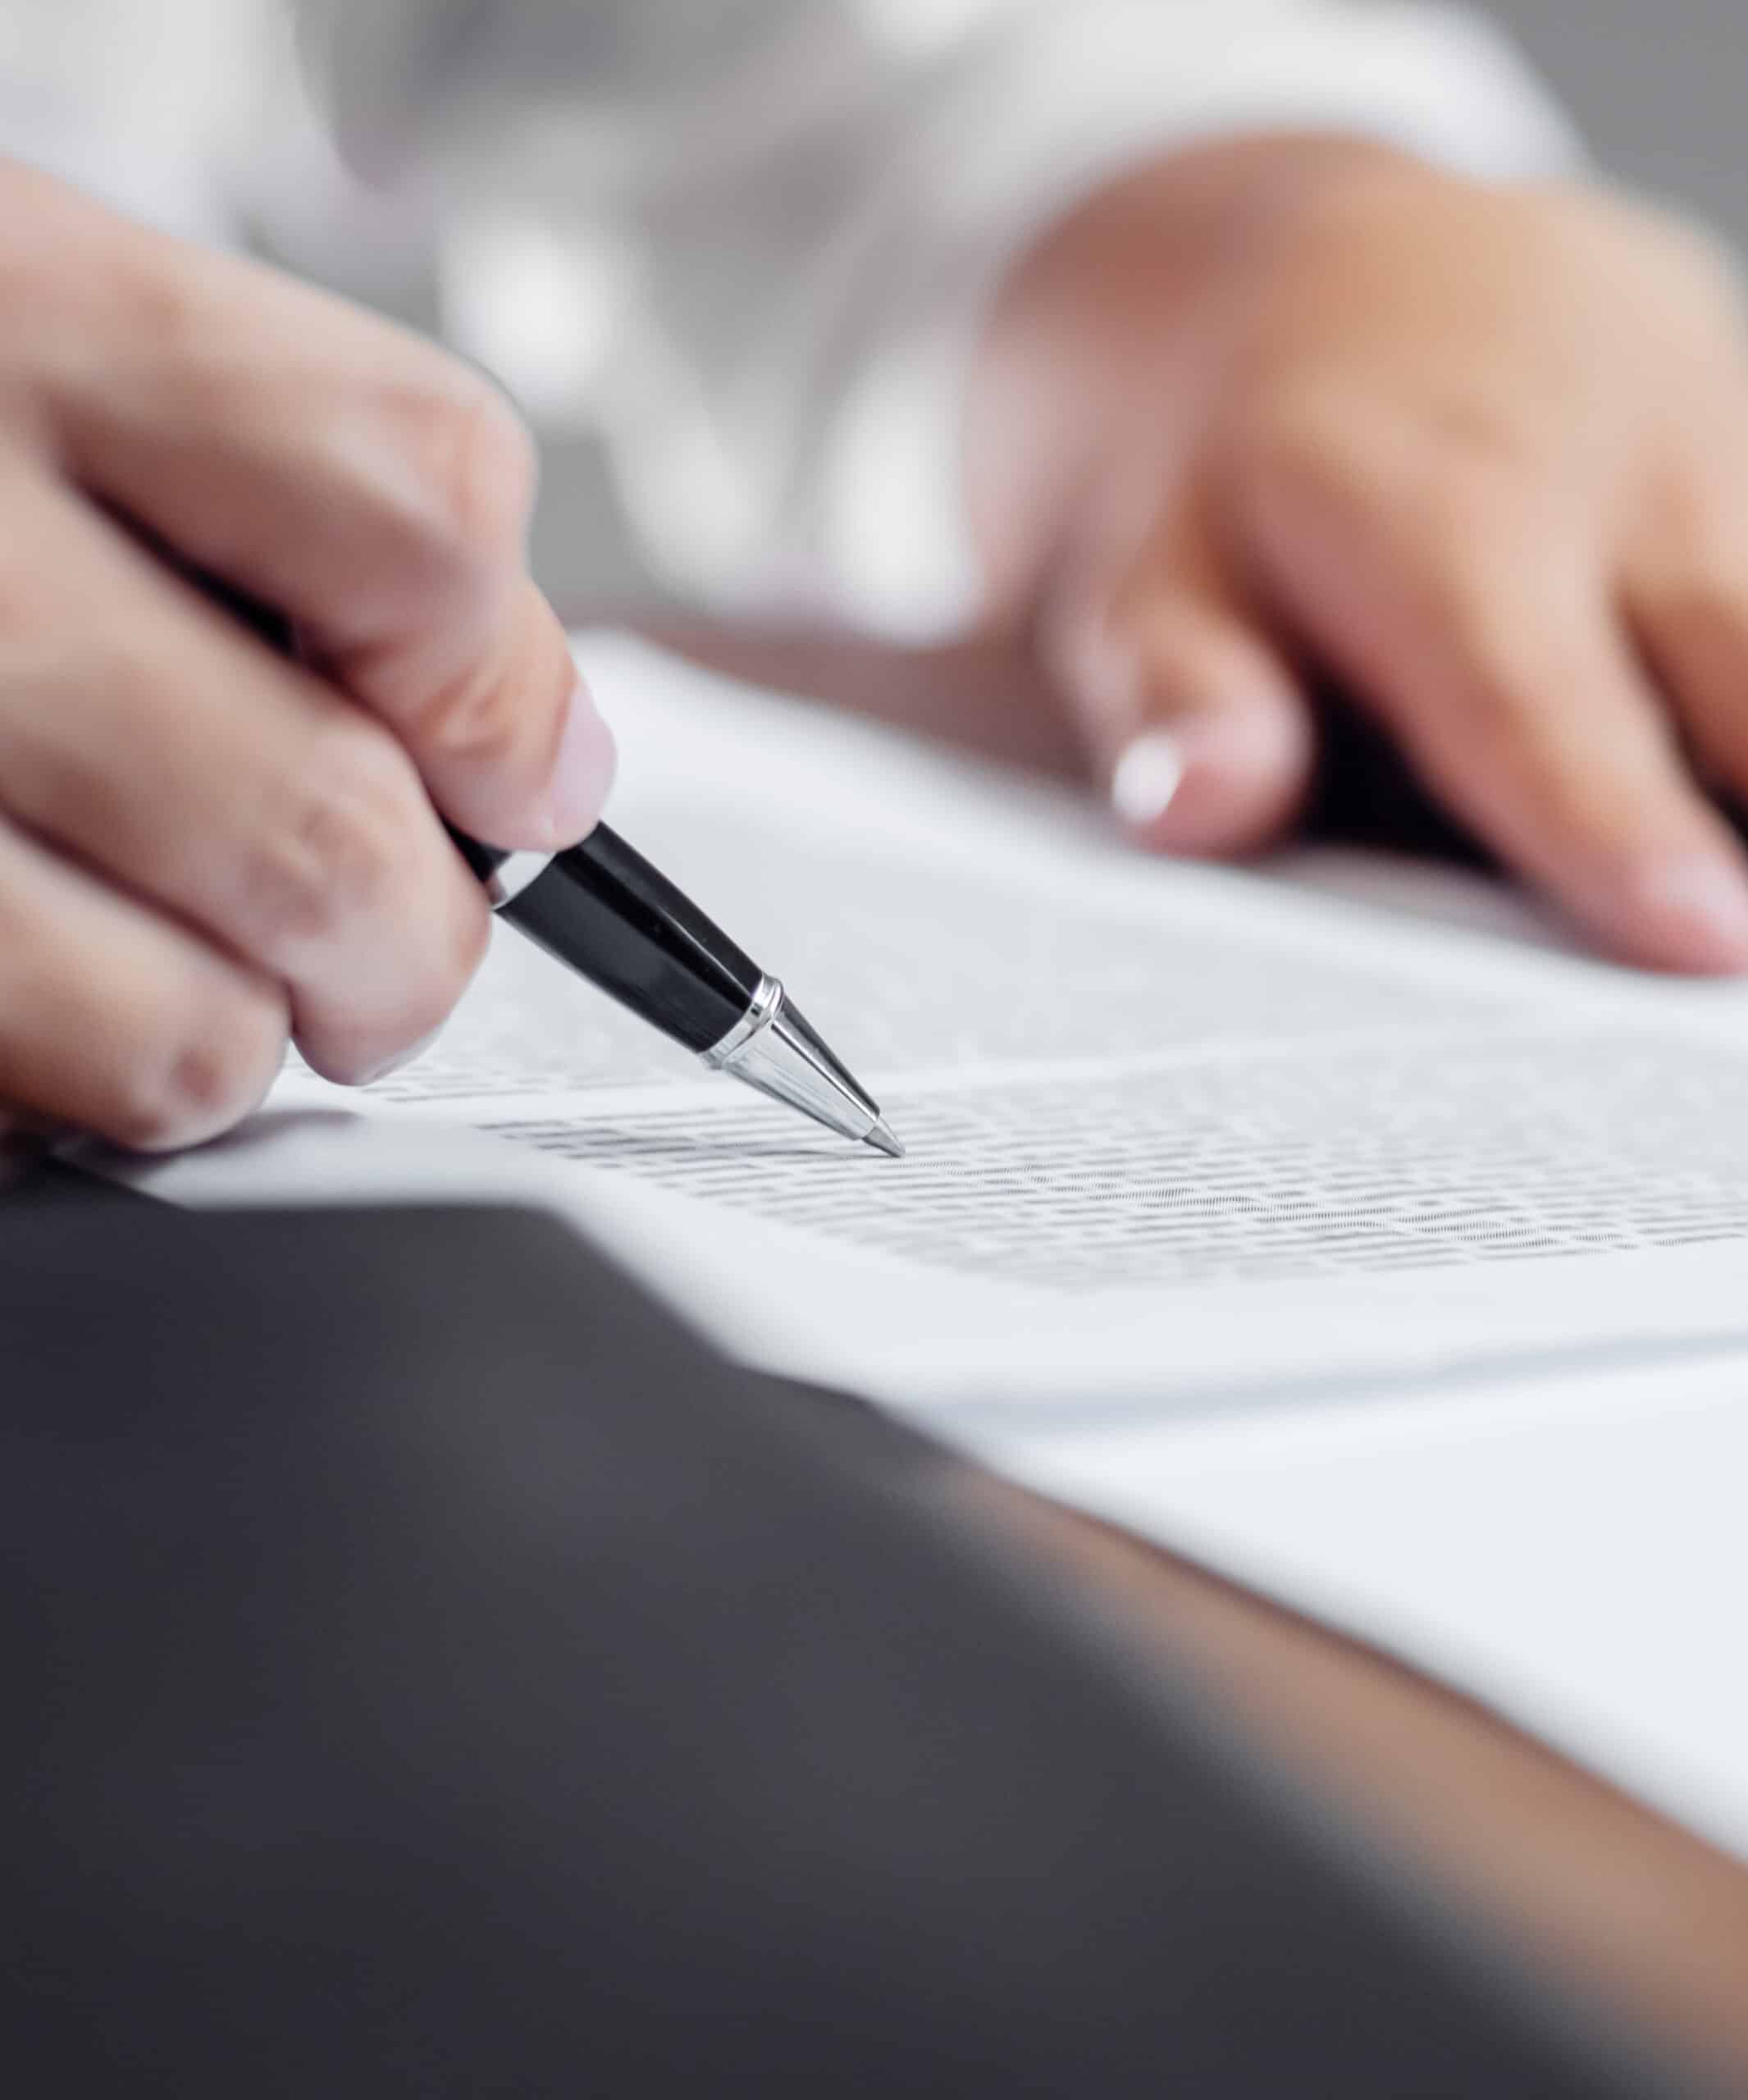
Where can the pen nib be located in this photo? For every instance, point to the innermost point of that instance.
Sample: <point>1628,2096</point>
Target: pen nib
<point>880,1137</point>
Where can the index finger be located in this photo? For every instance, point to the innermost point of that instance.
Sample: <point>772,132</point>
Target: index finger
<point>355,476</point>
<point>1497,658</point>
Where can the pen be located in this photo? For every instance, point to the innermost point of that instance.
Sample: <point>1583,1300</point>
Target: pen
<point>603,912</point>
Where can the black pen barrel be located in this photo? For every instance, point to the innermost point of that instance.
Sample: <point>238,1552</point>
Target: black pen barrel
<point>602,909</point>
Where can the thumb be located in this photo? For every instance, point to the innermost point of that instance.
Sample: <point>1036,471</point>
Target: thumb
<point>1196,723</point>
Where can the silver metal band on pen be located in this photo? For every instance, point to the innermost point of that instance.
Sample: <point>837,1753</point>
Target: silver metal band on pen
<point>767,1004</point>
<point>770,1048</point>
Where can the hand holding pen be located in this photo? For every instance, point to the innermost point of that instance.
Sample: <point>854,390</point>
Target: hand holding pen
<point>206,848</point>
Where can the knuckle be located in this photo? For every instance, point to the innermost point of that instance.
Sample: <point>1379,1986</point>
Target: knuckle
<point>340,1049</point>
<point>1491,669</point>
<point>1505,691</point>
<point>1432,471</point>
<point>1499,732</point>
<point>162,305</point>
<point>1459,478</point>
<point>336,851</point>
<point>473,460</point>
<point>1696,569</point>
<point>1478,439</point>
<point>1304,472</point>
<point>479,720</point>
<point>456,958</point>
<point>169,327</point>
<point>454,955</point>
<point>466,949</point>
<point>499,718</point>
<point>500,714</point>
<point>1296,446</point>
<point>1551,778</point>
<point>208,1075</point>
<point>1438,523</point>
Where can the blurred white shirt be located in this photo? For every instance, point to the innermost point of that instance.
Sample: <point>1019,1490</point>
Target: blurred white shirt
<point>750,242</point>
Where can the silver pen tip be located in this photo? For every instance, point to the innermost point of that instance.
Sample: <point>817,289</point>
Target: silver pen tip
<point>880,1137</point>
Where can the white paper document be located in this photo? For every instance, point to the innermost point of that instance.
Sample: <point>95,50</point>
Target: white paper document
<point>1199,1162</point>
<point>1178,1138</point>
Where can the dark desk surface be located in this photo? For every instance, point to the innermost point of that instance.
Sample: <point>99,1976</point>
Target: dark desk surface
<point>1579,1880</point>
<point>39,1185</point>
<point>430,1669</point>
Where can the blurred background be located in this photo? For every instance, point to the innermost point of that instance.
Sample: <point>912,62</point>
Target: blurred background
<point>1659,88</point>
<point>1655,86</point>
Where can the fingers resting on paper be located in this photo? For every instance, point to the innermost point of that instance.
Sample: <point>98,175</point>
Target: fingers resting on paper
<point>1479,454</point>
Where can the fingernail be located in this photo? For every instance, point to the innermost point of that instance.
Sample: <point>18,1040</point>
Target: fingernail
<point>582,773</point>
<point>1704,900</point>
<point>1147,779</point>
